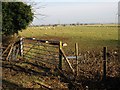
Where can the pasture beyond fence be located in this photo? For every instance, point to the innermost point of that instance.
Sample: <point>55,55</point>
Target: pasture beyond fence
<point>52,53</point>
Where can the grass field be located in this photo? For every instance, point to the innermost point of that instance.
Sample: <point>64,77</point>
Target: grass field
<point>88,37</point>
<point>31,73</point>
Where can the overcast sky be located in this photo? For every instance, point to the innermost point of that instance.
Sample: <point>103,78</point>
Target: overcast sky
<point>73,11</point>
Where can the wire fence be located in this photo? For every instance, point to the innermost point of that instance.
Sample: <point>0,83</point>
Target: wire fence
<point>95,65</point>
<point>88,64</point>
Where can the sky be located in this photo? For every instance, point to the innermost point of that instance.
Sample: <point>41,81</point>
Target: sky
<point>76,11</point>
<point>73,0</point>
<point>119,13</point>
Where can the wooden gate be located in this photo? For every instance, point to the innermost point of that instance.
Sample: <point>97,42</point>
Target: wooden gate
<point>40,50</point>
<point>47,51</point>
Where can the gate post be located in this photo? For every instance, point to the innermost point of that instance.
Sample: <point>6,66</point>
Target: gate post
<point>76,54</point>
<point>21,47</point>
<point>104,62</point>
<point>60,55</point>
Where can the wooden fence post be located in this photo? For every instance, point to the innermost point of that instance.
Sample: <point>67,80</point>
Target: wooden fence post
<point>76,54</point>
<point>60,55</point>
<point>21,47</point>
<point>9,54</point>
<point>104,62</point>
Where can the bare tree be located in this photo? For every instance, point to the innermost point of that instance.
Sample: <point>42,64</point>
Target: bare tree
<point>36,8</point>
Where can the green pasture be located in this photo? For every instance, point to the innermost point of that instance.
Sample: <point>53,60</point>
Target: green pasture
<point>88,37</point>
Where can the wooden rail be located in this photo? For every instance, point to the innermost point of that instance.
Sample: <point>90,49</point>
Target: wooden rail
<point>44,85</point>
<point>7,49</point>
<point>65,57</point>
<point>51,42</point>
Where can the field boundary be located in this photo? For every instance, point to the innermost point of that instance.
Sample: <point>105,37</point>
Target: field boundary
<point>48,51</point>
